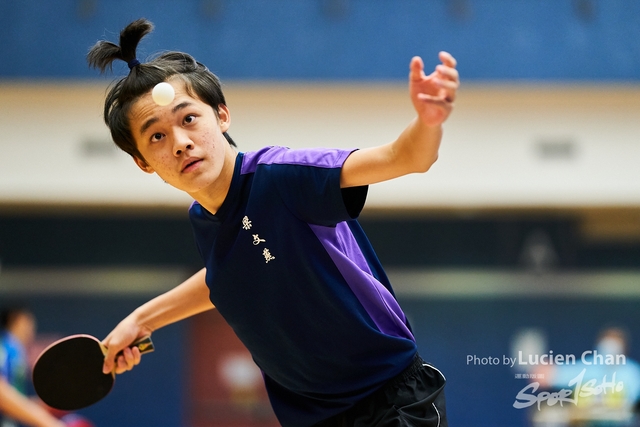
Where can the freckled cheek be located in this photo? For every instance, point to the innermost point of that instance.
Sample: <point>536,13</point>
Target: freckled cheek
<point>213,137</point>
<point>167,164</point>
<point>205,140</point>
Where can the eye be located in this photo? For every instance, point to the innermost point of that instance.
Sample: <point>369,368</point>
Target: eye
<point>190,118</point>
<point>156,137</point>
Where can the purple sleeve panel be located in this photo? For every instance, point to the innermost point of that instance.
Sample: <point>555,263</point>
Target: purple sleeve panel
<point>318,157</point>
<point>377,301</point>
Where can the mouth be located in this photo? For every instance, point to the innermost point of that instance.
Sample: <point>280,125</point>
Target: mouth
<point>190,164</point>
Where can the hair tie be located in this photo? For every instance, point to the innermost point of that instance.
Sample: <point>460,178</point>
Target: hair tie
<point>134,62</point>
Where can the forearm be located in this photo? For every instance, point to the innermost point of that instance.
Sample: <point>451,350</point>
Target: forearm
<point>416,149</point>
<point>22,409</point>
<point>187,299</point>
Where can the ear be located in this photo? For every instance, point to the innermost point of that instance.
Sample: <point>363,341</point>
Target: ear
<point>224,117</point>
<point>143,165</point>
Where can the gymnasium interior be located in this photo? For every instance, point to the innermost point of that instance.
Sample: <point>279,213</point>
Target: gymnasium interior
<point>522,240</point>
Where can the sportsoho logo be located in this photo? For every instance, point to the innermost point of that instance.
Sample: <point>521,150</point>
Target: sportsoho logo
<point>591,374</point>
<point>578,387</point>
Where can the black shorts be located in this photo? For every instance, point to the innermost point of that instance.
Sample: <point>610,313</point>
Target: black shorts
<point>414,398</point>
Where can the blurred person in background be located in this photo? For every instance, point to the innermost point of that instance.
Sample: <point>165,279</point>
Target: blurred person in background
<point>18,331</point>
<point>16,409</point>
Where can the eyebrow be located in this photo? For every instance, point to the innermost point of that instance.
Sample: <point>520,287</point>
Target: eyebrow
<point>146,125</point>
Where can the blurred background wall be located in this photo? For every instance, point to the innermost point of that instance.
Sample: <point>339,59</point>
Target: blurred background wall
<point>529,221</point>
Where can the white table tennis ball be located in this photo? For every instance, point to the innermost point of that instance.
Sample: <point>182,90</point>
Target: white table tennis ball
<point>163,94</point>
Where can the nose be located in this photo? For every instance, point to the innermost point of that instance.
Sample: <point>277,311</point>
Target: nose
<point>181,142</point>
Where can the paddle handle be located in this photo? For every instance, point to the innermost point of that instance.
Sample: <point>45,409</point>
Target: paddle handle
<point>145,345</point>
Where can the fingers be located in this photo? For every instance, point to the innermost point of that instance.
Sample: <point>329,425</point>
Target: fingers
<point>447,77</point>
<point>108,365</point>
<point>109,356</point>
<point>122,361</point>
<point>433,95</point>
<point>447,59</point>
<point>448,89</point>
<point>127,359</point>
<point>446,72</point>
<point>416,69</point>
<point>119,357</point>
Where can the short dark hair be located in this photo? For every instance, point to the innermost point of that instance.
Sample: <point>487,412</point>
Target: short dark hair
<point>199,81</point>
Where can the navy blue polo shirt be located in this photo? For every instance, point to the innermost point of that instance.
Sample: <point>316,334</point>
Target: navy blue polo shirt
<point>292,272</point>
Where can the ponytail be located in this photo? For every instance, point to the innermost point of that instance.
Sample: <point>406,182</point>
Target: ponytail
<point>103,53</point>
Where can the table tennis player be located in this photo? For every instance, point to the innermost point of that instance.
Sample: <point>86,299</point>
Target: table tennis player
<point>286,262</point>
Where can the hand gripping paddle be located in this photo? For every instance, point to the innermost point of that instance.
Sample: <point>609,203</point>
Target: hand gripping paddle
<point>68,374</point>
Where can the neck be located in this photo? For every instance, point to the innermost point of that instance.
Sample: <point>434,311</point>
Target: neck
<point>213,197</point>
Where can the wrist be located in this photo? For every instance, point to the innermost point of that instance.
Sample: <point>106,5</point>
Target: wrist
<point>142,320</point>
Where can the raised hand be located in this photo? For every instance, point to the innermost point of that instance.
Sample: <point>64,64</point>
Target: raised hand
<point>433,95</point>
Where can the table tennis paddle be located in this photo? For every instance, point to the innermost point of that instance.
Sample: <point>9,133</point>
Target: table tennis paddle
<point>68,373</point>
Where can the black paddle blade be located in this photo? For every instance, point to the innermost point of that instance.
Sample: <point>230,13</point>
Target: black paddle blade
<point>68,375</point>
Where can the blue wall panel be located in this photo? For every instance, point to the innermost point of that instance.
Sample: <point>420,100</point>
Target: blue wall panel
<point>336,39</point>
